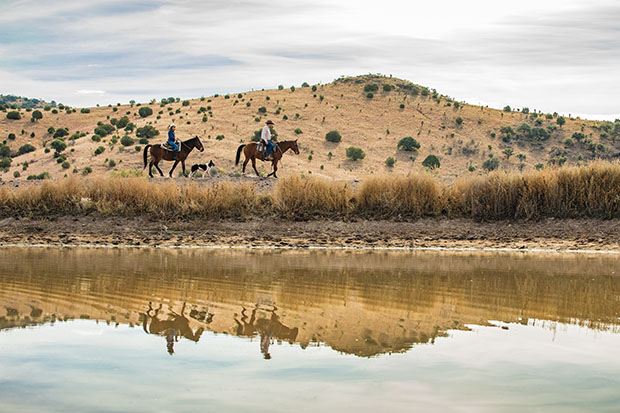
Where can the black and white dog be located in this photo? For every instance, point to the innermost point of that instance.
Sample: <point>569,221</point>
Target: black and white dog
<point>205,167</point>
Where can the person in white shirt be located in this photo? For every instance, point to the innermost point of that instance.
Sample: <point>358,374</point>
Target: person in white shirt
<point>265,136</point>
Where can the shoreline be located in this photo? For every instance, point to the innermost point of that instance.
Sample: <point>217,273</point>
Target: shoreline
<point>432,234</point>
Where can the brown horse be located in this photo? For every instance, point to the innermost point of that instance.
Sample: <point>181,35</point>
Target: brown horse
<point>251,153</point>
<point>158,153</point>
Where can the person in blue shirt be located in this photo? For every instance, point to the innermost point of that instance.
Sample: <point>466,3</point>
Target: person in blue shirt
<point>172,139</point>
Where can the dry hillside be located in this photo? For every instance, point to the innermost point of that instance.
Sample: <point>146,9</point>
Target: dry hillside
<point>462,136</point>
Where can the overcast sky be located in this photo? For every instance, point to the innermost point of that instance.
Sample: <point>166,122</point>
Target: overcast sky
<point>551,55</point>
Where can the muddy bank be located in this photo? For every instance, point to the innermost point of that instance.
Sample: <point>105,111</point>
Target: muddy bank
<point>549,234</point>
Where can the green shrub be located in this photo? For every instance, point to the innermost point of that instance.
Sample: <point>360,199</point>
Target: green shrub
<point>4,151</point>
<point>185,103</point>
<point>65,165</point>
<point>36,115</point>
<point>280,87</point>
<point>42,175</point>
<point>332,136</point>
<point>99,150</point>
<point>219,137</point>
<point>58,145</point>
<point>111,163</point>
<point>459,120</point>
<point>127,140</point>
<point>389,162</point>
<point>370,95</point>
<point>371,87</point>
<point>490,164</point>
<point>143,141</point>
<point>431,162</point>
<point>87,170</point>
<point>145,111</point>
<point>61,158</point>
<point>402,106</point>
<point>25,149</point>
<point>262,109</point>
<point>61,132</point>
<point>298,131</point>
<point>5,162</point>
<point>314,88</point>
<point>16,174</point>
<point>11,136</point>
<point>354,153</point>
<point>147,131</point>
<point>408,144</point>
<point>122,122</point>
<point>51,130</point>
<point>85,110</point>
<point>13,115</point>
<point>387,88</point>
<point>96,138</point>
<point>560,121</point>
<point>507,108</point>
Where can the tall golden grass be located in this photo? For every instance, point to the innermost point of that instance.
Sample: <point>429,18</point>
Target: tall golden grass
<point>576,192</point>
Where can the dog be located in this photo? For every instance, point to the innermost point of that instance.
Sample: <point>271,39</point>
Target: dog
<point>205,167</point>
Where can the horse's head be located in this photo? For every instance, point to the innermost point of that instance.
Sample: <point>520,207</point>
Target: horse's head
<point>295,147</point>
<point>198,144</point>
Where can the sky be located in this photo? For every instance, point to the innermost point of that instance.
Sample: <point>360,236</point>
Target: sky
<point>553,55</point>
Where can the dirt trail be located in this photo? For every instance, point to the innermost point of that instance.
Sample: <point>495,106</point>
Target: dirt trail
<point>548,234</point>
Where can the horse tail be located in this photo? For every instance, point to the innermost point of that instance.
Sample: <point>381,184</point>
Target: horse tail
<point>146,149</point>
<point>239,154</point>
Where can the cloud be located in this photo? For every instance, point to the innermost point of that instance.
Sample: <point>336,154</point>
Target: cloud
<point>555,55</point>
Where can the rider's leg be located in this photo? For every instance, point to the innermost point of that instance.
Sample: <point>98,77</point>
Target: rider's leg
<point>176,150</point>
<point>269,148</point>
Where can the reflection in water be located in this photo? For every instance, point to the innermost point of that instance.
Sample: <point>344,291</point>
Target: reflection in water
<point>357,302</point>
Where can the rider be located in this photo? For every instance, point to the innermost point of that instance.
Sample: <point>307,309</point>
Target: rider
<point>172,139</point>
<point>265,136</point>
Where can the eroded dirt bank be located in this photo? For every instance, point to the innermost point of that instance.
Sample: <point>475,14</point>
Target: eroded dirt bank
<point>549,234</point>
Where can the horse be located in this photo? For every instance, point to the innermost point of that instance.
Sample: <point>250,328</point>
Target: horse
<point>158,153</point>
<point>251,152</point>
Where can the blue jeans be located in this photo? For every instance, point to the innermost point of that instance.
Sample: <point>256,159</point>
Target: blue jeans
<point>270,147</point>
<point>174,146</point>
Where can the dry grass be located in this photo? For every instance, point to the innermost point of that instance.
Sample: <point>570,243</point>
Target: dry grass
<point>592,191</point>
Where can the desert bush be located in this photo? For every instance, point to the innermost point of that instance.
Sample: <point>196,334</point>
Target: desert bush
<point>25,149</point>
<point>507,108</point>
<point>408,144</point>
<point>371,87</point>
<point>298,131</point>
<point>431,162</point>
<point>370,95</point>
<point>127,140</point>
<point>61,132</point>
<point>185,103</point>
<point>11,136</point>
<point>65,165</point>
<point>145,111</point>
<point>147,131</point>
<point>560,121</point>
<point>85,110</point>
<point>390,161</point>
<point>354,153</point>
<point>459,120</point>
<point>490,164</point>
<point>37,115</point>
<point>58,145</point>
<point>122,122</point>
<point>402,106</point>
<point>16,174</point>
<point>219,137</point>
<point>95,138</point>
<point>99,150</point>
<point>14,115</point>
<point>333,136</point>
<point>262,109</point>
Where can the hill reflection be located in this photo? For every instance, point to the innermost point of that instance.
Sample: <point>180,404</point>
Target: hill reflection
<point>362,303</point>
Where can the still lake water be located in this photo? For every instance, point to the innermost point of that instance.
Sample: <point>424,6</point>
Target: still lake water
<point>280,331</point>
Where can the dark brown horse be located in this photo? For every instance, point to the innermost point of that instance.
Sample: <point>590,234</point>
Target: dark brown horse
<point>158,153</point>
<point>251,152</point>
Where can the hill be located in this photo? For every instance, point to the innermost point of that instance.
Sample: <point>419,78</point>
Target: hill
<point>370,112</point>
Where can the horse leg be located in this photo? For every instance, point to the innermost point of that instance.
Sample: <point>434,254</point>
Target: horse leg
<point>173,166</point>
<point>274,165</point>
<point>183,165</point>
<point>151,168</point>
<point>158,168</point>
<point>245,164</point>
<point>254,166</point>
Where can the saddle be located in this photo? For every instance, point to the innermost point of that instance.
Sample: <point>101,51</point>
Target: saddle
<point>262,148</point>
<point>167,146</point>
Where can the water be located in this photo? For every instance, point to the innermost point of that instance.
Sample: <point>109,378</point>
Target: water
<point>184,330</point>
